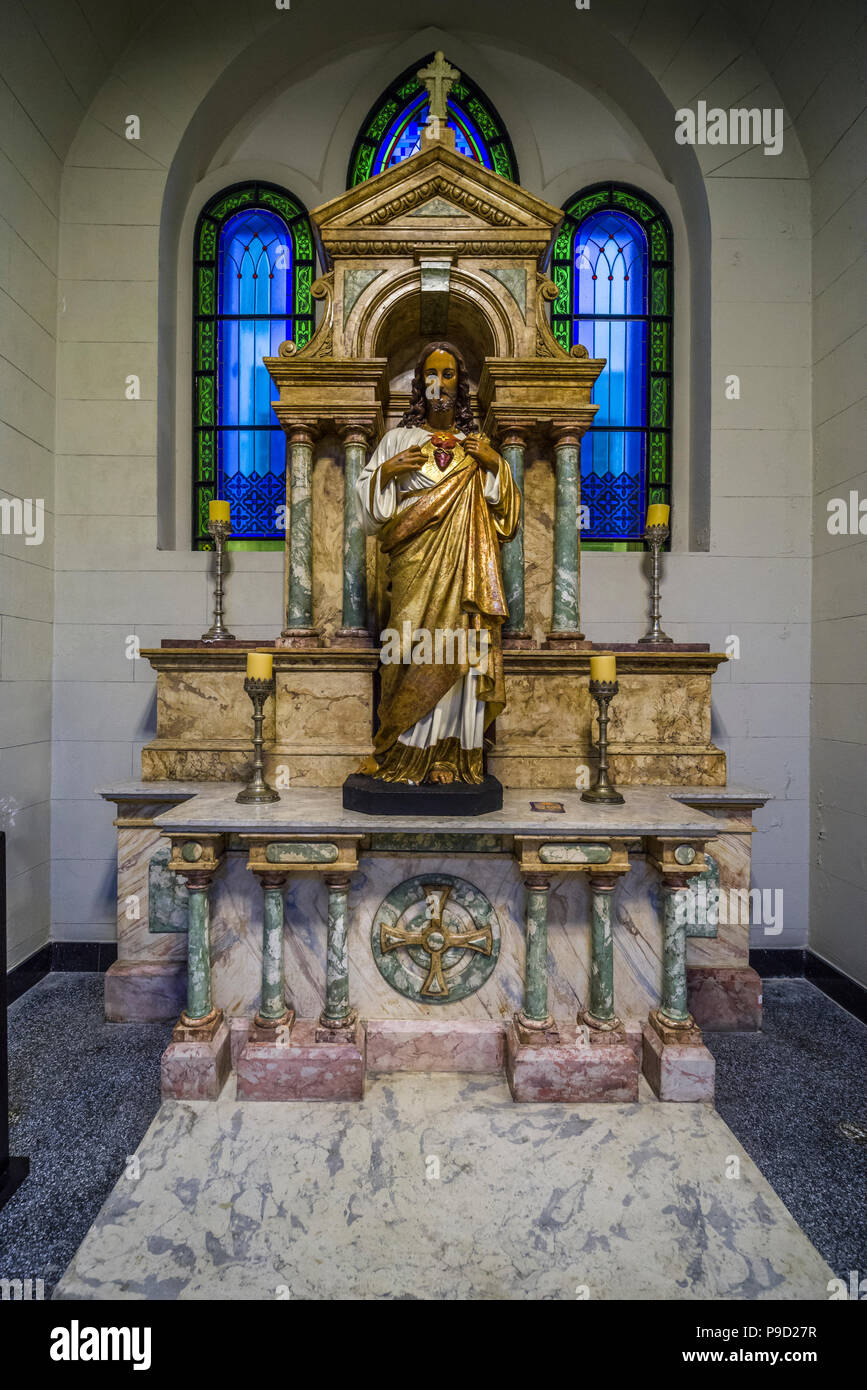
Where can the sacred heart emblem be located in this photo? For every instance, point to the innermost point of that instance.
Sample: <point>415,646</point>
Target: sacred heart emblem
<point>435,938</point>
<point>444,446</point>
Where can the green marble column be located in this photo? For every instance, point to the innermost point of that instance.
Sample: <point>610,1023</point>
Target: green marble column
<point>565,618</point>
<point>272,1009</point>
<point>354,547</point>
<point>513,447</point>
<point>200,1007</point>
<point>600,1013</point>
<point>337,1013</point>
<point>534,1014</point>
<point>299,610</point>
<point>673,1008</point>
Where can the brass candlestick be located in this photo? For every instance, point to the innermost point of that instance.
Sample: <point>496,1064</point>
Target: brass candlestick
<point>603,693</point>
<point>219,531</point>
<point>655,536</point>
<point>257,789</point>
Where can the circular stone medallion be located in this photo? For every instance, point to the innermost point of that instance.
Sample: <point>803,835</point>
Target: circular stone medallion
<point>435,938</point>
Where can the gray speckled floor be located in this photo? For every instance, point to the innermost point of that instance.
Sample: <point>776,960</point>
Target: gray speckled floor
<point>342,1201</point>
<point>82,1092</point>
<point>783,1091</point>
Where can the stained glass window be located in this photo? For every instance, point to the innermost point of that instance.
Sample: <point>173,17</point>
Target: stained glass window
<point>612,265</point>
<point>392,130</point>
<point>253,271</point>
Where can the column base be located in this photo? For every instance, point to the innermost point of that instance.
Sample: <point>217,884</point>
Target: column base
<point>601,1032</point>
<point>196,1070</point>
<point>566,641</point>
<point>572,1071</point>
<point>302,1068</point>
<point>517,641</point>
<point>683,1034</point>
<point>678,1071</point>
<point>199,1029</point>
<point>143,991</point>
<point>533,1033</point>
<point>725,998</point>
<point>352,637</point>
<point>299,637</point>
<point>267,1030</point>
<point>340,1033</point>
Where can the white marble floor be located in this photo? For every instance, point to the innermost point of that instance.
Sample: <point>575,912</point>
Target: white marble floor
<point>439,1187</point>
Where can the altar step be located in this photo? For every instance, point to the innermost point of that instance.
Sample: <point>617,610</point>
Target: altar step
<point>572,1067</point>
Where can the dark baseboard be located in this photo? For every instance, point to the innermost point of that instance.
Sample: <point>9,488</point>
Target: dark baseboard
<point>93,957</point>
<point>804,964</point>
<point>779,965</point>
<point>28,973</point>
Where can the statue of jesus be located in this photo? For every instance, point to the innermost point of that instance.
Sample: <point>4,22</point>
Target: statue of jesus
<point>441,501</point>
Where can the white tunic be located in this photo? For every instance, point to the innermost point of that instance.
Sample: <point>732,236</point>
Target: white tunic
<point>459,714</point>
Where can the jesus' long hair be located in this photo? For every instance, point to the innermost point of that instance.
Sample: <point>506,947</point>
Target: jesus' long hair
<point>416,415</point>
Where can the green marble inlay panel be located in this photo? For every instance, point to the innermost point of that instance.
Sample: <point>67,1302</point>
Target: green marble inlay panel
<point>685,854</point>
<point>575,854</point>
<point>168,898</point>
<point>355,282</point>
<point>440,908</point>
<point>301,853</point>
<point>515,280</point>
<point>438,844</point>
<point>705,888</point>
<point>191,852</point>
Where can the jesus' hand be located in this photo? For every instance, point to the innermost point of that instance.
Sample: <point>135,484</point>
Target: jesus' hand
<point>407,461</point>
<point>479,448</point>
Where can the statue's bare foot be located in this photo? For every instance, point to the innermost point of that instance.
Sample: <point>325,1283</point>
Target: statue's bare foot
<point>442,775</point>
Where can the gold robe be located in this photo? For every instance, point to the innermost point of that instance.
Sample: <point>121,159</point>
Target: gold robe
<point>444,573</point>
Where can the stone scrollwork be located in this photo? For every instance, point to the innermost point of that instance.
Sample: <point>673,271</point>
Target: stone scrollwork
<point>322,342</point>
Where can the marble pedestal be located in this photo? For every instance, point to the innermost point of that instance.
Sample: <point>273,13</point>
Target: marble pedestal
<point>302,1068</point>
<point>678,1071</point>
<point>574,1070</point>
<point>193,1070</point>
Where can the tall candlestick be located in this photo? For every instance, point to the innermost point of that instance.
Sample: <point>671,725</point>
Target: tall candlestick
<point>219,529</point>
<point>656,533</point>
<point>603,693</point>
<point>257,789</point>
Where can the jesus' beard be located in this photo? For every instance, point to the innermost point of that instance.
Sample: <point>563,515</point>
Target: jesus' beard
<point>441,409</point>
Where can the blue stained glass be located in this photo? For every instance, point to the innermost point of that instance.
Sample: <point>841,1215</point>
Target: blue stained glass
<point>403,136</point>
<point>255,292</point>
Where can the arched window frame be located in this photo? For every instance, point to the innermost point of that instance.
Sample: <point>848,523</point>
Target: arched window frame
<point>205,339</point>
<point>476,115</point>
<point>652,221</point>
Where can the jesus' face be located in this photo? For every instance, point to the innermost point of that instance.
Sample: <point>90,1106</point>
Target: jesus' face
<point>441,388</point>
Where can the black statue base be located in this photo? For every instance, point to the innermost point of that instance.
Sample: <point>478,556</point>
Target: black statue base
<point>375,798</point>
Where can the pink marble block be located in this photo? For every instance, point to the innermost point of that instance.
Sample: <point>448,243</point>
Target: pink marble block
<point>725,998</point>
<point>239,1028</point>
<point>419,1044</point>
<point>678,1071</point>
<point>143,991</point>
<point>572,1072</point>
<point>303,1069</point>
<point>196,1070</point>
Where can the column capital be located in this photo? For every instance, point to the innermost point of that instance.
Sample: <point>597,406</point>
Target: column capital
<point>337,881</point>
<point>513,436</point>
<point>539,883</point>
<point>567,432</point>
<point>198,880</point>
<point>301,434</point>
<point>603,883</point>
<point>356,432</point>
<point>270,878</point>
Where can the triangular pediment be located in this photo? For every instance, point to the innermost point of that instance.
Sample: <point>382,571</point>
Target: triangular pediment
<point>426,194</point>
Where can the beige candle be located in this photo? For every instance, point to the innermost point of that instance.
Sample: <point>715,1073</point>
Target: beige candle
<point>260,666</point>
<point>218,510</point>
<point>658,514</point>
<point>603,668</point>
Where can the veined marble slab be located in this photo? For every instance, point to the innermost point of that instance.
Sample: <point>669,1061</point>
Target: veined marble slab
<point>436,1186</point>
<point>319,810</point>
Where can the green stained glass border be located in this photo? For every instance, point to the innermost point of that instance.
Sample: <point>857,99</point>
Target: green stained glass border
<point>205,375</point>
<point>400,94</point>
<point>660,334</point>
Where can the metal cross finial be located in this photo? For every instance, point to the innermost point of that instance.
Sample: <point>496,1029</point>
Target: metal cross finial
<point>438,77</point>
<point>435,938</point>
